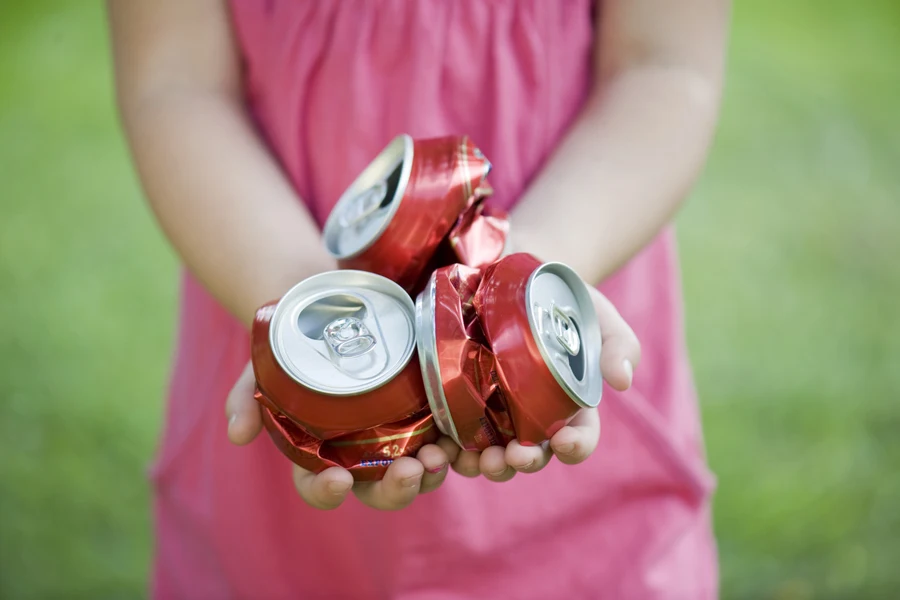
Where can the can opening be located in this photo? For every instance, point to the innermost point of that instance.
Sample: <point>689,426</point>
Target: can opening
<point>315,318</point>
<point>564,334</point>
<point>367,205</point>
<point>343,332</point>
<point>393,182</point>
<point>564,324</point>
<point>576,361</point>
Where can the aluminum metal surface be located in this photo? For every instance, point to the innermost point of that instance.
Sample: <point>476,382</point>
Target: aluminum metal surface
<point>366,208</point>
<point>564,324</point>
<point>367,454</point>
<point>343,333</point>
<point>428,359</point>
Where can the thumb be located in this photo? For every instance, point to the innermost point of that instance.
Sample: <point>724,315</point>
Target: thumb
<point>621,351</point>
<point>242,410</point>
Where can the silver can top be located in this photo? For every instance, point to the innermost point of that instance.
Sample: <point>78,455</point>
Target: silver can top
<point>365,209</point>
<point>565,326</point>
<point>343,333</point>
<point>426,342</point>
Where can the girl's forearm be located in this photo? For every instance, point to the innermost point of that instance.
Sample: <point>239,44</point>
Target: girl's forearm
<point>621,173</point>
<point>222,201</point>
<point>218,194</point>
<point>635,151</point>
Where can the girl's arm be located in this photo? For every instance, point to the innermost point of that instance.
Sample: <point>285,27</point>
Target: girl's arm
<point>223,202</point>
<point>218,194</point>
<point>638,146</point>
<point>620,174</point>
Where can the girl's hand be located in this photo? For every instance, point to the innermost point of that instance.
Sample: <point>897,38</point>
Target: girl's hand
<point>408,477</point>
<point>405,479</point>
<point>576,441</point>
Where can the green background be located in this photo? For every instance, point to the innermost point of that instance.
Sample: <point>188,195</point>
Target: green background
<point>791,250</point>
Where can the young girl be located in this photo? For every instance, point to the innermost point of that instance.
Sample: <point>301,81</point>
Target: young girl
<point>248,119</point>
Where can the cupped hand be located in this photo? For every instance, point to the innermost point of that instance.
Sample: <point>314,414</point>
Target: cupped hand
<point>405,479</point>
<point>575,442</point>
<point>408,477</point>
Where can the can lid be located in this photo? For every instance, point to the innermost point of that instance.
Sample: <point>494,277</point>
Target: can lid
<point>365,209</point>
<point>565,326</point>
<point>426,342</point>
<point>343,333</point>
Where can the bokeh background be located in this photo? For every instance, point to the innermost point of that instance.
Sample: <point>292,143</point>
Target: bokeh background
<point>791,250</point>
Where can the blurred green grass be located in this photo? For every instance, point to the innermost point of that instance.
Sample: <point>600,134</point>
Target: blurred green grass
<point>790,247</point>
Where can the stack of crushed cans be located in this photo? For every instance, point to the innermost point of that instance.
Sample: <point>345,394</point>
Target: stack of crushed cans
<point>427,328</point>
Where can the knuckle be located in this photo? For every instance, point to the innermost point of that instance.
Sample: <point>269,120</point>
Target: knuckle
<point>501,478</point>
<point>573,458</point>
<point>432,485</point>
<point>467,471</point>
<point>325,505</point>
<point>532,467</point>
<point>394,503</point>
<point>319,503</point>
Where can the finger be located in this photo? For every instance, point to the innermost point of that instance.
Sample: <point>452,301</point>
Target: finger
<point>449,447</point>
<point>576,441</point>
<point>397,489</point>
<point>436,464</point>
<point>621,352</point>
<point>493,465</point>
<point>242,410</point>
<point>324,491</point>
<point>466,464</point>
<point>528,459</point>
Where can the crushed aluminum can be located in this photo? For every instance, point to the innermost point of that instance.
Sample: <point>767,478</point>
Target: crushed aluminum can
<point>458,368</point>
<point>336,354</point>
<point>366,454</point>
<point>413,198</point>
<point>542,327</point>
<point>508,352</point>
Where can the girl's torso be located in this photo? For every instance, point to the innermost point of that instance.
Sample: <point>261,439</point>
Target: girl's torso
<point>329,84</point>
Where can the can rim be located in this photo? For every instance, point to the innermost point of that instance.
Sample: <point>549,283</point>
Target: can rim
<point>403,141</point>
<point>582,296</point>
<point>312,288</point>
<point>426,343</point>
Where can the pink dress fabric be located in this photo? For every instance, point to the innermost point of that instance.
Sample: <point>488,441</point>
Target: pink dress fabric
<point>330,83</point>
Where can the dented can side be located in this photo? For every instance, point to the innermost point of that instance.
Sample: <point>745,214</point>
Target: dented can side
<point>563,322</point>
<point>445,176</point>
<point>459,370</point>
<point>367,207</point>
<point>539,403</point>
<point>335,355</point>
<point>366,454</point>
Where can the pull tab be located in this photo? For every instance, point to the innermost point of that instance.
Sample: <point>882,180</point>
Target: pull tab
<point>348,337</point>
<point>563,329</point>
<point>364,205</point>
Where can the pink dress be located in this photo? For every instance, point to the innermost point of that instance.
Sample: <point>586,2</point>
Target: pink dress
<point>330,83</point>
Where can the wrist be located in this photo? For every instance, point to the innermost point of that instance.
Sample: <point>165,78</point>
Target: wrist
<point>273,280</point>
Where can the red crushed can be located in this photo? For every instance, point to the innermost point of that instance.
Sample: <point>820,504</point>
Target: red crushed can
<point>459,369</point>
<point>336,354</point>
<point>415,197</point>
<point>366,454</point>
<point>523,365</point>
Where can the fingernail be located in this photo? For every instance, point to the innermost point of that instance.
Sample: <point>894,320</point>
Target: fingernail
<point>437,470</point>
<point>339,488</point>
<point>498,473</point>
<point>565,449</point>
<point>231,420</point>
<point>524,467</point>
<point>629,369</point>
<point>411,481</point>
